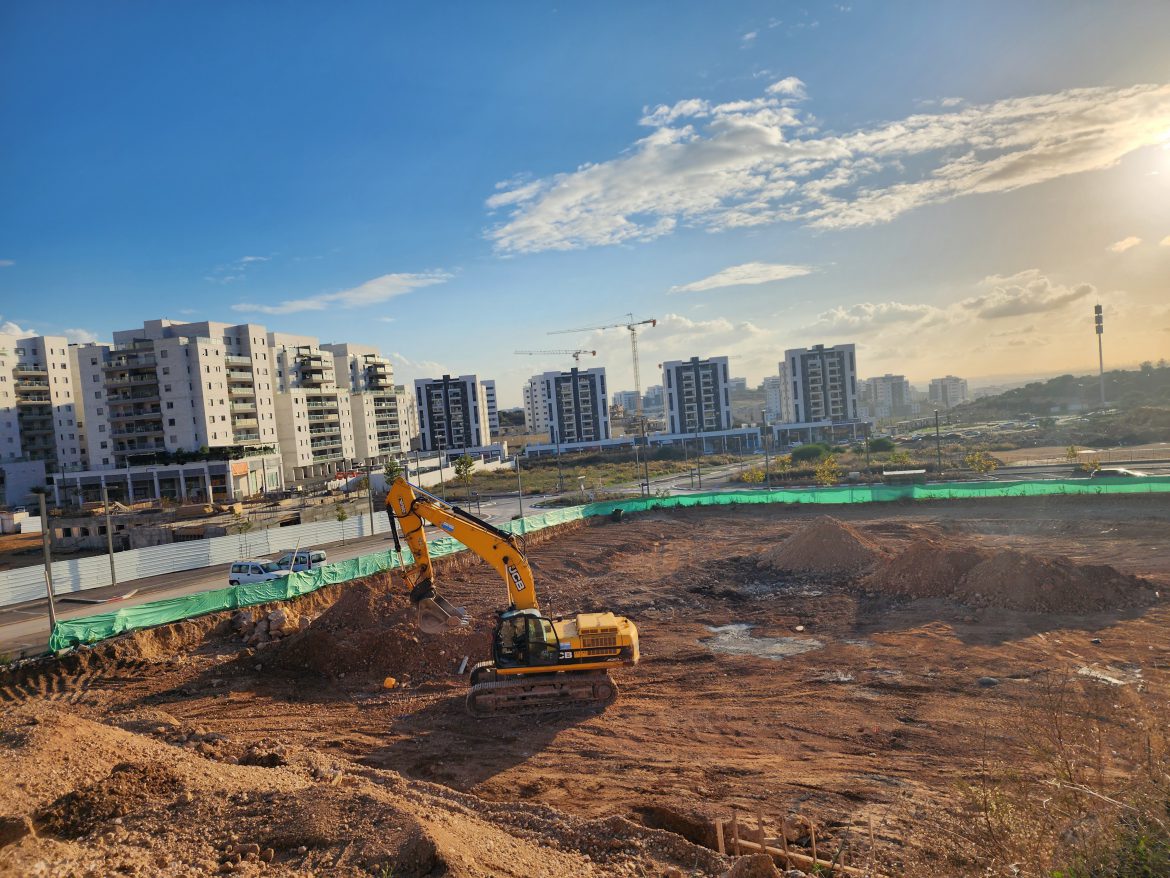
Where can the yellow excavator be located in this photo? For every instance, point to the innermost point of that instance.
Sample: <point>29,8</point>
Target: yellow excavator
<point>538,664</point>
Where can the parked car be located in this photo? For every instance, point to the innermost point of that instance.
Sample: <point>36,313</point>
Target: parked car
<point>306,559</point>
<point>253,570</point>
<point>1115,472</point>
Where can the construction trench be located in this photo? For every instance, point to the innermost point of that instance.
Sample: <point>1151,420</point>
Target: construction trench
<point>815,693</point>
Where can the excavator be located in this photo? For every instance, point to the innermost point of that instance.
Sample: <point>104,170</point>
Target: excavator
<point>538,664</point>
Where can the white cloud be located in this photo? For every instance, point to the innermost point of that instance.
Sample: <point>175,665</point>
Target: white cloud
<point>789,87</point>
<point>763,160</point>
<point>748,38</point>
<point>244,260</point>
<point>1124,244</point>
<point>234,271</point>
<point>873,314</point>
<point>1165,242</point>
<point>80,336</point>
<point>7,327</point>
<point>1028,292</point>
<point>7,263</point>
<point>372,292</point>
<point>742,275</point>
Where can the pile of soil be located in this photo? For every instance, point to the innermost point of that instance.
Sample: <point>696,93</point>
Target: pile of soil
<point>1007,579</point>
<point>371,630</point>
<point>824,546</point>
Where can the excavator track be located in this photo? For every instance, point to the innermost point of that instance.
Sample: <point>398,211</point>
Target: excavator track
<point>545,693</point>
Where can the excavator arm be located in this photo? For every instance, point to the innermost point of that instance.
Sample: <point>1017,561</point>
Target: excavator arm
<point>408,507</point>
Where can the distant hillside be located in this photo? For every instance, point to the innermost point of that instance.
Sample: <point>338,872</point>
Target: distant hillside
<point>1148,386</point>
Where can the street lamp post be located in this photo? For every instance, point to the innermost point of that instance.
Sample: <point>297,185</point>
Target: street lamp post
<point>645,455</point>
<point>560,473</point>
<point>698,457</point>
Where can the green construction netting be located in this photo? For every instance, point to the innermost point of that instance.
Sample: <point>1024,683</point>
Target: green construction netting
<point>91,629</point>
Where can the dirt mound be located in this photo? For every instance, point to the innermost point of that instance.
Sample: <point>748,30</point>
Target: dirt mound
<point>128,788</point>
<point>371,630</point>
<point>824,546</point>
<point>926,569</point>
<point>1007,579</point>
<point>1021,581</point>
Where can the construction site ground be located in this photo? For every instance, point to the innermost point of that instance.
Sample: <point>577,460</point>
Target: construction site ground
<point>840,696</point>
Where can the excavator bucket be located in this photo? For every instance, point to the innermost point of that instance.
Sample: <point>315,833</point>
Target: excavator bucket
<point>436,615</point>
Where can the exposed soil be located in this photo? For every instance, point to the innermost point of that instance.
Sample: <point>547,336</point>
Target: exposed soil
<point>180,751</point>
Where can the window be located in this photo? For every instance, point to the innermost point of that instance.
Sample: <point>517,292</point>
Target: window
<point>164,353</point>
<point>166,370</point>
<point>97,394</point>
<point>105,445</point>
<point>170,422</point>
<point>170,405</point>
<point>105,460</point>
<point>97,378</point>
<point>101,428</point>
<point>166,388</point>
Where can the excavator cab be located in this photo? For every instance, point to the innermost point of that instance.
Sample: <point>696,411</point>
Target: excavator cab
<point>524,640</point>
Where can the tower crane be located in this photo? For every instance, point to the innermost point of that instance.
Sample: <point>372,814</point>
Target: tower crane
<point>631,325</point>
<point>576,355</point>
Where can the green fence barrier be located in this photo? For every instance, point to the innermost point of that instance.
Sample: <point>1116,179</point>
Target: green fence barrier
<point>91,629</point>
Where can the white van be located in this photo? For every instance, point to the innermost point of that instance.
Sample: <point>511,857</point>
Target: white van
<point>244,572</point>
<point>306,559</point>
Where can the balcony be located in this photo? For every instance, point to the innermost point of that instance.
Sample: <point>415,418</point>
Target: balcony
<point>139,395</point>
<point>244,423</point>
<point>241,389</point>
<point>240,376</point>
<point>145,430</point>
<point>246,435</point>
<point>235,360</point>
<point>137,415</point>
<point>35,399</point>
<point>131,380</point>
<point>31,384</point>
<point>130,362</point>
<point>29,370</point>
<point>237,406</point>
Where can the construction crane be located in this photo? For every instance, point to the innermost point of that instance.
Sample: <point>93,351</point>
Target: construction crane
<point>576,355</point>
<point>632,326</point>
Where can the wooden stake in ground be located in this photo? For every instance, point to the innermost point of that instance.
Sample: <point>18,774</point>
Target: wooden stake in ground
<point>719,836</point>
<point>735,830</point>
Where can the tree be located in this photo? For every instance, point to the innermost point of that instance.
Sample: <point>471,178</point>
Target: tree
<point>392,470</point>
<point>464,467</point>
<point>342,515</point>
<point>981,462</point>
<point>881,444</point>
<point>899,458</point>
<point>1071,454</point>
<point>809,453</point>
<point>782,464</point>
<point>828,472</point>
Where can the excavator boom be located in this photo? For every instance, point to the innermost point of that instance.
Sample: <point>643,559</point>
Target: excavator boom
<point>408,506</point>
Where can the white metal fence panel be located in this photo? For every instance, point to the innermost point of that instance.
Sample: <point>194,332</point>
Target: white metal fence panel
<point>78,574</point>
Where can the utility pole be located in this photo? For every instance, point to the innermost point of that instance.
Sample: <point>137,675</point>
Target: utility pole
<point>109,535</point>
<point>937,444</point>
<point>767,470</point>
<point>645,455</point>
<point>698,457</point>
<point>519,486</point>
<point>1099,320</point>
<point>370,492</point>
<point>45,540</point>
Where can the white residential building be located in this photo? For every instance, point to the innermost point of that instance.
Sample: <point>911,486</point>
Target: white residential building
<point>38,409</point>
<point>627,400</point>
<point>697,395</point>
<point>493,413</point>
<point>452,414</point>
<point>947,392</point>
<point>377,426</point>
<point>536,406</point>
<point>313,412</point>
<point>575,406</point>
<point>778,396</point>
<point>407,416</point>
<point>824,394</point>
<point>888,396</point>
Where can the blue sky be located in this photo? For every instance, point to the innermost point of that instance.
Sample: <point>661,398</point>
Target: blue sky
<point>949,185</point>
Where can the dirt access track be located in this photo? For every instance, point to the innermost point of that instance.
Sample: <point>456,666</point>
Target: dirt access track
<point>812,677</point>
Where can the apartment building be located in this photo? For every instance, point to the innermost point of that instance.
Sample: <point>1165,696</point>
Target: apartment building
<point>778,397</point>
<point>452,414</point>
<point>626,400</point>
<point>38,409</point>
<point>946,392</point>
<point>493,412</point>
<point>313,410</point>
<point>369,377</point>
<point>888,396</point>
<point>697,395</point>
<point>824,384</point>
<point>575,404</point>
<point>407,416</point>
<point>536,406</point>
